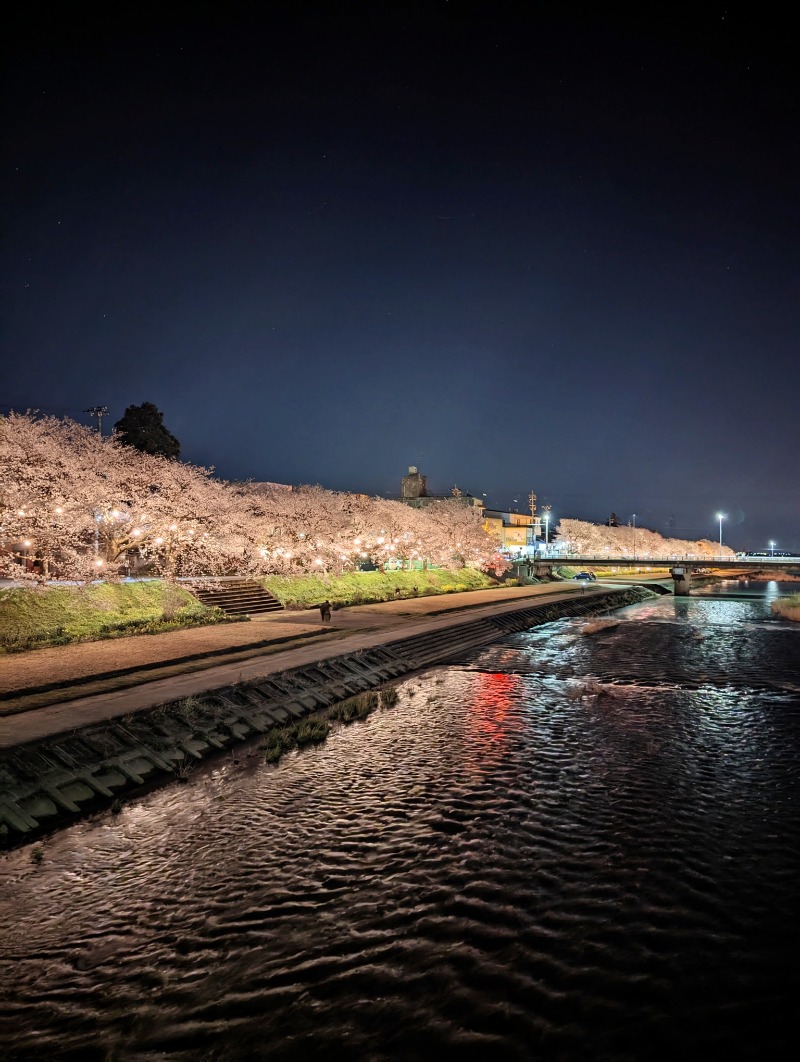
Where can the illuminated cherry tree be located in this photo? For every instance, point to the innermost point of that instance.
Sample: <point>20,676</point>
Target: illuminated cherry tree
<point>301,530</point>
<point>49,481</point>
<point>398,534</point>
<point>456,537</point>
<point>177,518</point>
<point>581,538</point>
<point>74,505</point>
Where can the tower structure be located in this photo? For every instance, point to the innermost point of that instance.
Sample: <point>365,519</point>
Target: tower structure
<point>415,485</point>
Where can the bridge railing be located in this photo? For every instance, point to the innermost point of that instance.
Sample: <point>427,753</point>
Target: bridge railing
<point>572,559</point>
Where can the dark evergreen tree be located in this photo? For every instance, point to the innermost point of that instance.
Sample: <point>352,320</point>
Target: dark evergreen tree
<point>143,428</point>
<point>612,521</point>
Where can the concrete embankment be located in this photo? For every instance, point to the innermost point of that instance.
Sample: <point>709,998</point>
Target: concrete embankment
<point>52,781</point>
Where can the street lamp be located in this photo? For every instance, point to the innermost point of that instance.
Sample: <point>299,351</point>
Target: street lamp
<point>547,529</point>
<point>772,549</point>
<point>720,517</point>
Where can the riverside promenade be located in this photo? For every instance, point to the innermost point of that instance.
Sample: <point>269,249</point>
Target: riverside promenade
<point>46,692</point>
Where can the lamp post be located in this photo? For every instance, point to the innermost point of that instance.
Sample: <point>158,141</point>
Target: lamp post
<point>547,530</point>
<point>772,549</point>
<point>720,517</point>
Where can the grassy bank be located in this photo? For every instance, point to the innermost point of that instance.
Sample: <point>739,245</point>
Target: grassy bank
<point>787,607</point>
<point>361,588</point>
<point>30,618</point>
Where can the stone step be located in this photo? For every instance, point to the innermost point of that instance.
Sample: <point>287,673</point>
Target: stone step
<point>239,597</point>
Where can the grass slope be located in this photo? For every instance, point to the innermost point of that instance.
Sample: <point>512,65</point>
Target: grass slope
<point>30,618</point>
<point>361,588</point>
<point>56,615</point>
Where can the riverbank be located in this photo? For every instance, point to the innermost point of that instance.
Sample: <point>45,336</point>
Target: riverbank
<point>788,608</point>
<point>59,674</point>
<point>68,759</point>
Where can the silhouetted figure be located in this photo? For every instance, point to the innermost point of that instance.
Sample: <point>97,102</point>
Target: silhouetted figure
<point>325,611</point>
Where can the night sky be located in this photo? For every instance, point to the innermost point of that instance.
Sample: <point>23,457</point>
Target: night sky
<point>553,251</point>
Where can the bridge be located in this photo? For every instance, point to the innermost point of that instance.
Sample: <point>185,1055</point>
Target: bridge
<point>680,568</point>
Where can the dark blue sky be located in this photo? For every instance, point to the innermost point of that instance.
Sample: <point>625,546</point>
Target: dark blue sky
<point>548,251</point>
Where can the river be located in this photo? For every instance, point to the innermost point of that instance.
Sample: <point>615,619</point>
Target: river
<point>582,842</point>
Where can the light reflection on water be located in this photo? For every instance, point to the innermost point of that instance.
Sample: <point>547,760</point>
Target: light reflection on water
<point>582,842</point>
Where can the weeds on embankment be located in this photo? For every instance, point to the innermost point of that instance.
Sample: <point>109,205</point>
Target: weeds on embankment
<point>281,740</point>
<point>787,607</point>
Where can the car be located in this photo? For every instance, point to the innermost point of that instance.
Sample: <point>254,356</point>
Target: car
<point>590,576</point>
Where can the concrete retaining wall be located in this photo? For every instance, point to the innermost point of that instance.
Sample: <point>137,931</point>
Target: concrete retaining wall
<point>49,783</point>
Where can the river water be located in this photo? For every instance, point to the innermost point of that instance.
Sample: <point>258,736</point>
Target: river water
<point>582,842</point>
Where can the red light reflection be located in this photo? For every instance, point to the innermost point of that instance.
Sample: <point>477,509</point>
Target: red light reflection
<point>491,720</point>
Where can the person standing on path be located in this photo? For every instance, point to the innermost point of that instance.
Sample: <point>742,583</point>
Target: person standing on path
<point>325,611</point>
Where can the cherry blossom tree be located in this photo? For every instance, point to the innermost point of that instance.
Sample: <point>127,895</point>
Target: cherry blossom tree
<point>582,538</point>
<point>302,530</point>
<point>50,479</point>
<point>456,536</point>
<point>76,505</point>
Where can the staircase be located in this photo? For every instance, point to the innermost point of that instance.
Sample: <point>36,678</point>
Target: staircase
<point>237,597</point>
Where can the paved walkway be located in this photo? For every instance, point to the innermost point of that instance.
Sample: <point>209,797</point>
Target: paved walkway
<point>48,691</point>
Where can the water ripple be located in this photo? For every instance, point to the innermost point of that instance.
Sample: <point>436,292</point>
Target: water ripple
<point>582,842</point>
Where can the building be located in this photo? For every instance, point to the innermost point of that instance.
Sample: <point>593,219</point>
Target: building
<point>414,492</point>
<point>414,486</point>
<point>517,533</point>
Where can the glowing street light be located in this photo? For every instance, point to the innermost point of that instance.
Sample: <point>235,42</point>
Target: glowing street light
<point>547,529</point>
<point>772,549</point>
<point>720,517</point>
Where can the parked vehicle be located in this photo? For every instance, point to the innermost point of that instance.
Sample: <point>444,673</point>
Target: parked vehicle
<point>590,576</point>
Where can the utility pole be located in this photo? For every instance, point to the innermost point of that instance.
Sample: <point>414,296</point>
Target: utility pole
<point>99,412</point>
<point>531,533</point>
<point>634,536</point>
